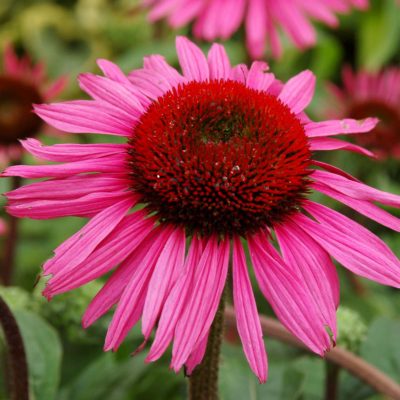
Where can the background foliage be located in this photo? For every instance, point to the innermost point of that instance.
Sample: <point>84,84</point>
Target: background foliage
<point>66,362</point>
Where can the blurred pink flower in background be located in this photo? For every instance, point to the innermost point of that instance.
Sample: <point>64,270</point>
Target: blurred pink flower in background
<point>216,156</point>
<point>21,84</point>
<point>263,19</point>
<point>366,94</point>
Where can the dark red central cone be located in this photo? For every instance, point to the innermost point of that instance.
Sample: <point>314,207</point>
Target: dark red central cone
<point>17,120</point>
<point>218,157</point>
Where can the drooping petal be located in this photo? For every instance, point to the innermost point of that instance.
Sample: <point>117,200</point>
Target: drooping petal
<point>112,290</point>
<point>79,246</point>
<point>364,207</point>
<point>285,292</point>
<point>248,322</point>
<point>118,246</point>
<point>355,189</point>
<point>203,303</point>
<point>197,356</point>
<point>130,305</point>
<point>304,256</point>
<point>167,269</point>
<point>351,244</point>
<point>175,303</point>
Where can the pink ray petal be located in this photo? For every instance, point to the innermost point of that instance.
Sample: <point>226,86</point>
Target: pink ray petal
<point>351,244</point>
<point>248,322</point>
<point>192,60</point>
<point>298,91</point>
<point>340,127</point>
<point>203,304</point>
<point>218,62</point>
<point>176,301</point>
<point>168,267</point>
<point>131,303</point>
<point>309,261</point>
<point>285,292</point>
<point>112,290</point>
<point>79,246</point>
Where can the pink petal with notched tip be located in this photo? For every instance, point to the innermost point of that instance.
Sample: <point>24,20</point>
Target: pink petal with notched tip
<point>115,248</point>
<point>351,244</point>
<point>175,303</point>
<point>247,319</point>
<point>311,262</point>
<point>169,266</point>
<point>203,303</point>
<point>130,305</point>
<point>364,207</point>
<point>284,291</point>
<point>79,246</point>
<point>112,290</point>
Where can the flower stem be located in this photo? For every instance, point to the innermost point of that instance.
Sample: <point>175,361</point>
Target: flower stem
<point>16,357</point>
<point>332,381</point>
<point>203,383</point>
<point>6,273</point>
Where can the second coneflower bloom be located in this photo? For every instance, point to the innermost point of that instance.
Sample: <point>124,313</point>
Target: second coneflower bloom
<point>21,84</point>
<point>372,94</point>
<point>214,157</point>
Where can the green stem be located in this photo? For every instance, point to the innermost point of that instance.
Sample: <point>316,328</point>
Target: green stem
<point>203,383</point>
<point>16,358</point>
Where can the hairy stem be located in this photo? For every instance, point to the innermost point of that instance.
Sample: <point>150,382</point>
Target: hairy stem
<point>357,366</point>
<point>16,358</point>
<point>331,381</point>
<point>203,383</point>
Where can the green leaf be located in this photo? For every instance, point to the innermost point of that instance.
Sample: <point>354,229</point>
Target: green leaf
<point>237,381</point>
<point>378,36</point>
<point>44,352</point>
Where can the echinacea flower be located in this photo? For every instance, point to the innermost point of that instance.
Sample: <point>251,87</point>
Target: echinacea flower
<point>372,94</point>
<point>262,19</point>
<point>21,84</point>
<point>214,157</point>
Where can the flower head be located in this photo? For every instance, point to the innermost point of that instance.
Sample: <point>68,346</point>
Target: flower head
<point>372,94</point>
<point>262,19</point>
<point>213,157</point>
<point>21,84</point>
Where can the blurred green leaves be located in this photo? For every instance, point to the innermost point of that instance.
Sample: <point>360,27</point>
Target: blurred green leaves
<point>44,351</point>
<point>378,35</point>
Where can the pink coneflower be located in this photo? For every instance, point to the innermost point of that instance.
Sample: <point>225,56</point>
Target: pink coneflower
<point>378,94</point>
<point>213,157</point>
<point>21,84</point>
<point>262,19</point>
